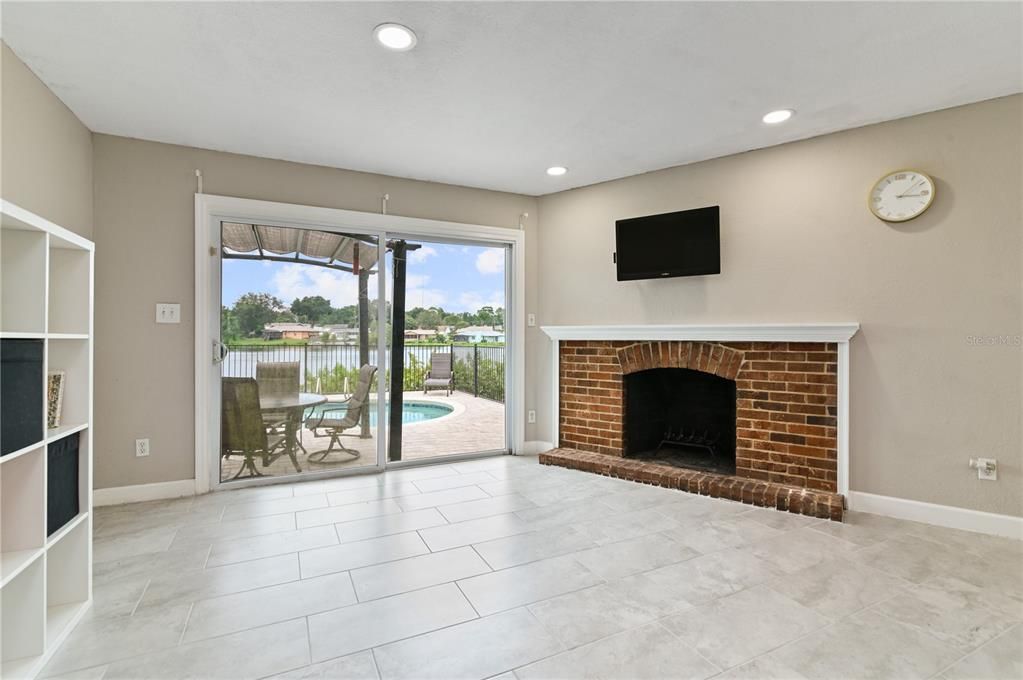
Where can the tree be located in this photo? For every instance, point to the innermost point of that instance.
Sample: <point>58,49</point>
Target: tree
<point>313,309</point>
<point>485,316</point>
<point>429,319</point>
<point>229,329</point>
<point>253,311</point>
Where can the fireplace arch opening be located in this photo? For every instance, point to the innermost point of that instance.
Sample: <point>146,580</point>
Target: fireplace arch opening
<point>682,417</point>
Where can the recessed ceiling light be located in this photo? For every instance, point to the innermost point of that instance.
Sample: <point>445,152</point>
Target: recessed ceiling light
<point>779,116</point>
<point>556,171</point>
<point>395,37</point>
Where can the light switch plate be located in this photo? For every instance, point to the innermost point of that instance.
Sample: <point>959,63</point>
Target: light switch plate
<point>530,319</point>
<point>168,312</point>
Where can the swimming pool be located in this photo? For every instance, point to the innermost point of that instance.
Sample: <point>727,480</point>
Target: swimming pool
<point>411,411</point>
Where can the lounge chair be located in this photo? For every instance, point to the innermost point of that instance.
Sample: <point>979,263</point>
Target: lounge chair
<point>242,431</point>
<point>332,421</point>
<point>440,375</point>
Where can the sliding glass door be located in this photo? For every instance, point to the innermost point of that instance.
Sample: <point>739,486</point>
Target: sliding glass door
<point>448,341</point>
<point>340,350</point>
<point>300,370</point>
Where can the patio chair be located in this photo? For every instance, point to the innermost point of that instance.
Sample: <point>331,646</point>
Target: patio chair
<point>242,431</point>
<point>279,378</point>
<point>440,375</point>
<point>333,420</point>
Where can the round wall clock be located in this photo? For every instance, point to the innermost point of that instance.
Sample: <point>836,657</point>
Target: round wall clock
<point>901,195</point>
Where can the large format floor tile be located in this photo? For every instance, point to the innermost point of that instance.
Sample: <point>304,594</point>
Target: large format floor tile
<point>359,666</point>
<point>1000,658</point>
<point>417,572</point>
<point>362,626</point>
<point>525,584</point>
<point>867,645</point>
<point>232,613</point>
<point>589,614</point>
<point>737,628</point>
<point>469,651</point>
<point>250,654</point>
<point>102,640</point>
<point>385,525</point>
<point>505,569</point>
<point>473,531</point>
<point>634,555</point>
<point>254,547</point>
<point>647,653</point>
<point>232,578</point>
<point>519,549</point>
<point>360,554</point>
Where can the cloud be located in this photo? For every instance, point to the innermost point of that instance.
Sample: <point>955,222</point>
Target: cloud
<point>297,280</point>
<point>490,261</point>
<point>421,255</point>
<point>418,292</point>
<point>472,301</point>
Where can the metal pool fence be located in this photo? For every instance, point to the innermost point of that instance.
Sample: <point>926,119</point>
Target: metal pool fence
<point>334,368</point>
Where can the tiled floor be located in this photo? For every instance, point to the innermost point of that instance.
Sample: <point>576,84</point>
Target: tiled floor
<point>503,568</point>
<point>475,424</point>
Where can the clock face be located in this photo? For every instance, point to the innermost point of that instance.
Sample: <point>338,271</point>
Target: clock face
<point>901,195</point>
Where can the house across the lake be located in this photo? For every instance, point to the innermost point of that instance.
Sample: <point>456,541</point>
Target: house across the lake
<point>292,331</point>
<point>420,334</point>
<point>477,334</point>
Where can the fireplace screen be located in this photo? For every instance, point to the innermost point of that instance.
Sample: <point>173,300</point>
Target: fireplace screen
<point>682,417</point>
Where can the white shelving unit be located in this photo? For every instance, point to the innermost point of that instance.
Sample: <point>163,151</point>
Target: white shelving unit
<point>46,294</point>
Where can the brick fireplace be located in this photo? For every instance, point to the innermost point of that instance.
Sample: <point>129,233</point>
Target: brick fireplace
<point>747,417</point>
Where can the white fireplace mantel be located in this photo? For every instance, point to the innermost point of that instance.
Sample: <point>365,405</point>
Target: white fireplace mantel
<point>786,332</point>
<point>839,333</point>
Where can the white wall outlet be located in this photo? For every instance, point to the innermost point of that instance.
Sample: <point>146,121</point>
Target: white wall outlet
<point>987,468</point>
<point>168,312</point>
<point>530,319</point>
<point>141,448</point>
<point>531,416</point>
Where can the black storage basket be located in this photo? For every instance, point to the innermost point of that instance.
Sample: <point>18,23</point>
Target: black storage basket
<point>61,482</point>
<point>21,394</point>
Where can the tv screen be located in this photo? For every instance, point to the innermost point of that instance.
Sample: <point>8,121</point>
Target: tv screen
<point>684,243</point>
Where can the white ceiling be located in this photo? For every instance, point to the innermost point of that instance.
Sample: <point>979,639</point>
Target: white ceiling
<point>494,93</point>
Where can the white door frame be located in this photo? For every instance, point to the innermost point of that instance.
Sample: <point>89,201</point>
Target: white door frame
<point>211,209</point>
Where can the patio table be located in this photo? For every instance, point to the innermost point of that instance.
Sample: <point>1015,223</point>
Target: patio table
<point>294,405</point>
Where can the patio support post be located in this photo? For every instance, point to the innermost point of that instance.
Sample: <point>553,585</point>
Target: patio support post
<point>397,349</point>
<point>364,339</point>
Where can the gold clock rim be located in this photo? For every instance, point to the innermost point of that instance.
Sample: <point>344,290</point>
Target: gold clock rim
<point>870,205</point>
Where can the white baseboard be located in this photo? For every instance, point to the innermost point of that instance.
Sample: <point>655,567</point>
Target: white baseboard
<point>533,447</point>
<point>143,492</point>
<point>940,515</point>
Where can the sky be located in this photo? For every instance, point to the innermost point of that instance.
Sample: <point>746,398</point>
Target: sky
<point>455,277</point>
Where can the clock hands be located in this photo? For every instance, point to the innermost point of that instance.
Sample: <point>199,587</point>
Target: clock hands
<point>906,192</point>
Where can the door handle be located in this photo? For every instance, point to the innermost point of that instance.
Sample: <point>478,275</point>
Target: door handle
<point>220,351</point>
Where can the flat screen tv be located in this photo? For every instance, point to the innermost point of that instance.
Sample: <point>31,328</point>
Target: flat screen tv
<point>684,243</point>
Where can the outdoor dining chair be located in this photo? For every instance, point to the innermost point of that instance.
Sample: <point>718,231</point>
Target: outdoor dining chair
<point>334,419</point>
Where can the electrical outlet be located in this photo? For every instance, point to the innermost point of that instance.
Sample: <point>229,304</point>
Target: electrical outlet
<point>987,468</point>
<point>530,319</point>
<point>141,448</point>
<point>531,416</point>
<point>168,312</point>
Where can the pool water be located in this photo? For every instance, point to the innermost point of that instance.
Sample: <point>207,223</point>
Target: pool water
<point>411,411</point>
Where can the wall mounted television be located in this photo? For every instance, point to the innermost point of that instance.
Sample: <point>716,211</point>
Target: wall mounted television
<point>684,243</point>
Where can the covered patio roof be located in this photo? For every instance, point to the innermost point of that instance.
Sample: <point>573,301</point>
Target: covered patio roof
<point>353,253</point>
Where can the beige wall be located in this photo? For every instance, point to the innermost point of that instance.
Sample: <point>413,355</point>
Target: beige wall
<point>46,152</point>
<point>144,255</point>
<point>798,244</point>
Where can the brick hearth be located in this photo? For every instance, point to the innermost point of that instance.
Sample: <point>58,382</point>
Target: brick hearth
<point>823,504</point>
